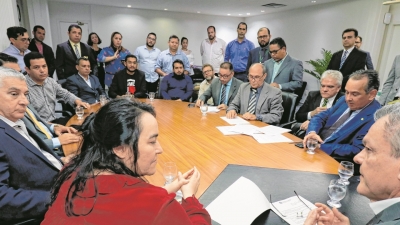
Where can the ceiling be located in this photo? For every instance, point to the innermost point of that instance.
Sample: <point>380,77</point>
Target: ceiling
<point>236,8</point>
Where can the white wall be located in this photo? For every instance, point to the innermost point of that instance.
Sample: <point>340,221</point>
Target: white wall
<point>8,18</point>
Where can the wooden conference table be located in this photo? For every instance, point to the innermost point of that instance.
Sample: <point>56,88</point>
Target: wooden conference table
<point>190,139</point>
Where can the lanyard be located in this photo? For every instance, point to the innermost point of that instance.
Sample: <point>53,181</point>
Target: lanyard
<point>262,57</point>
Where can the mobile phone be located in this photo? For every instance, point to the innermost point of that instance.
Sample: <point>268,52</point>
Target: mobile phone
<point>191,105</point>
<point>299,145</point>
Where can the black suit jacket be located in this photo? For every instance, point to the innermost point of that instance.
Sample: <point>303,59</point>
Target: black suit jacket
<point>48,55</point>
<point>312,102</point>
<point>254,56</point>
<point>355,61</point>
<point>66,59</point>
<point>77,86</point>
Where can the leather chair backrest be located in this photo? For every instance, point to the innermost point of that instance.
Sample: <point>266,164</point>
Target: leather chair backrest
<point>289,106</point>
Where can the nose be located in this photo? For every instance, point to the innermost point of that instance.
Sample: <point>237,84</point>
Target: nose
<point>159,149</point>
<point>359,158</point>
<point>24,100</point>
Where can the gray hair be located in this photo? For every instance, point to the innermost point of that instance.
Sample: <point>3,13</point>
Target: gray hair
<point>392,126</point>
<point>334,74</point>
<point>9,73</point>
<point>371,75</point>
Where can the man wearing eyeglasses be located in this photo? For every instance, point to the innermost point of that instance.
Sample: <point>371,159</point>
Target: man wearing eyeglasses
<point>222,90</point>
<point>256,100</point>
<point>284,72</point>
<point>18,48</point>
<point>208,73</point>
<point>260,54</point>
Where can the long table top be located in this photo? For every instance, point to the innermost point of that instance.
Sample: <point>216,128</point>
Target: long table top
<point>190,139</point>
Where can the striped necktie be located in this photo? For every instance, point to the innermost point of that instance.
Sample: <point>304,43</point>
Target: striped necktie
<point>223,95</point>
<point>325,102</point>
<point>252,104</point>
<point>344,57</point>
<point>37,124</point>
<point>77,51</point>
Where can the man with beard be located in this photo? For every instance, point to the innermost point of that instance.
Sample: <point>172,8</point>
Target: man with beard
<point>260,54</point>
<point>129,76</point>
<point>177,86</point>
<point>147,57</point>
<point>37,45</point>
<point>212,49</point>
<point>166,57</point>
<point>208,73</point>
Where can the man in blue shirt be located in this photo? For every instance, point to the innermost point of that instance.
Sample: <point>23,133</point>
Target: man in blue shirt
<point>166,57</point>
<point>237,52</point>
<point>19,43</point>
<point>177,86</point>
<point>147,58</point>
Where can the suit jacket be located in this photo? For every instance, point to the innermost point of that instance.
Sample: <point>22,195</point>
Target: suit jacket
<point>289,75</point>
<point>78,86</point>
<point>48,55</point>
<point>312,101</point>
<point>26,176</point>
<point>215,89</point>
<point>392,83</point>
<point>356,60</point>
<point>269,104</point>
<point>368,61</point>
<point>348,142</point>
<point>254,56</point>
<point>66,59</point>
<point>389,216</point>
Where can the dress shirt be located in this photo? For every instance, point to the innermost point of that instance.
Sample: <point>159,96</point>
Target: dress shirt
<point>348,51</point>
<point>238,54</point>
<point>328,105</point>
<point>14,51</point>
<point>165,60</point>
<point>44,97</point>
<point>20,127</point>
<point>39,46</point>
<point>213,53</point>
<point>147,62</point>
<point>78,45</point>
<point>379,206</point>
<point>87,80</point>
<point>228,88</point>
<point>277,66</point>
<point>204,85</point>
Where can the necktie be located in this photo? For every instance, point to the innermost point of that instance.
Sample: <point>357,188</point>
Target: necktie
<point>325,133</point>
<point>39,125</point>
<point>77,51</point>
<point>325,102</point>
<point>223,95</point>
<point>344,57</point>
<point>252,103</point>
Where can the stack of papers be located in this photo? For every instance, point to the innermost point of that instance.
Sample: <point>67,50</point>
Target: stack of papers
<point>212,109</point>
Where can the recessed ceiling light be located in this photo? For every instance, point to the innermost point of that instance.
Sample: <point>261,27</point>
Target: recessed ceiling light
<point>229,14</point>
<point>313,1</point>
<point>165,9</point>
<point>262,11</point>
<point>198,11</point>
<point>248,13</point>
<point>129,6</point>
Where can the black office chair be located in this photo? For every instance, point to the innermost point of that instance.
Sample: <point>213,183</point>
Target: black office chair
<point>289,107</point>
<point>300,92</point>
<point>158,94</point>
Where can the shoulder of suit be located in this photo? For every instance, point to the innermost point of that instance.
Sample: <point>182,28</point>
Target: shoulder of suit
<point>234,79</point>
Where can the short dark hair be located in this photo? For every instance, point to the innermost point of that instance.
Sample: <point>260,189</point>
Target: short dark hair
<point>351,30</point>
<point>130,56</point>
<point>226,65</point>
<point>211,27</point>
<point>31,56</point>
<point>373,78</point>
<point>177,61</point>
<point>37,27</point>
<point>90,42</point>
<point>152,33</point>
<point>243,23</point>
<point>184,38</point>
<point>360,38</point>
<point>8,58</point>
<point>14,32</point>
<point>278,41</point>
<point>173,36</point>
<point>74,26</point>
<point>85,58</point>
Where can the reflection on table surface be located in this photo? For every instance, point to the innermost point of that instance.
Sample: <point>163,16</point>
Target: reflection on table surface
<point>190,139</point>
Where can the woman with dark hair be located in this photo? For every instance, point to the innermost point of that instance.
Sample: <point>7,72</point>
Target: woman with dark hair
<point>94,41</point>
<point>104,184</point>
<point>188,53</point>
<point>113,56</point>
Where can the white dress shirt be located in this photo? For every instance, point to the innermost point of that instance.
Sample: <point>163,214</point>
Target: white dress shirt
<point>213,53</point>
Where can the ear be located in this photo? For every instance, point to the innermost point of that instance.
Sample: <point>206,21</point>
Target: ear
<point>121,151</point>
<point>372,94</point>
<point>76,66</point>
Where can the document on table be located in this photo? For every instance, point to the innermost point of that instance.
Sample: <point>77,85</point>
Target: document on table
<point>212,109</point>
<point>294,210</point>
<point>235,121</point>
<point>239,129</point>
<point>272,130</point>
<point>240,203</point>
<point>268,138</point>
<point>227,130</point>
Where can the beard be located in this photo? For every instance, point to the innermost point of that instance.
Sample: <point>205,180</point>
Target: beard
<point>131,71</point>
<point>148,45</point>
<point>263,46</point>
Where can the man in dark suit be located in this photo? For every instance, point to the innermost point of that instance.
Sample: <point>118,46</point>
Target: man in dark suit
<point>27,166</point>
<point>283,71</point>
<point>379,167</point>
<point>83,85</point>
<point>37,45</point>
<point>222,90</point>
<point>369,64</point>
<point>68,52</point>
<point>340,129</point>
<point>260,54</point>
<point>350,59</point>
<point>256,100</point>
<point>319,101</point>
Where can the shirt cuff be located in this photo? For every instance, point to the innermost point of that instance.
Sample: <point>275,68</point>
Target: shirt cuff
<point>52,128</point>
<point>56,143</point>
<point>309,115</point>
<point>280,87</point>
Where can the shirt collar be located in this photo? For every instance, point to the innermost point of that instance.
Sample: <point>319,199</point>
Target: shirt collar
<point>229,83</point>
<point>84,77</point>
<point>379,206</point>
<point>331,99</point>
<point>178,52</point>
<point>349,50</point>
<point>215,40</point>
<point>8,122</point>
<point>18,51</point>
<point>244,40</point>
<point>72,43</point>
<point>281,61</point>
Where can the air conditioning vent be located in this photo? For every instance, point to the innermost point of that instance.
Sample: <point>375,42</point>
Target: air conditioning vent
<point>274,5</point>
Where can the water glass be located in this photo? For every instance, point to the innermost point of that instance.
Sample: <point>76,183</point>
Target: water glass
<point>151,96</point>
<point>336,191</point>
<point>79,112</point>
<point>170,172</point>
<point>346,170</point>
<point>311,145</point>
<point>103,100</point>
<point>204,109</point>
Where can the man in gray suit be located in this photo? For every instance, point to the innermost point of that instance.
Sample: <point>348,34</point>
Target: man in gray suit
<point>380,173</point>
<point>256,100</point>
<point>222,90</point>
<point>391,87</point>
<point>284,72</point>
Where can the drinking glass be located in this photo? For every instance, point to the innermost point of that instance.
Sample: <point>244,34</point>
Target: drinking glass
<point>103,100</point>
<point>346,170</point>
<point>79,112</point>
<point>169,171</point>
<point>336,191</point>
<point>151,96</point>
<point>204,108</point>
<point>311,145</point>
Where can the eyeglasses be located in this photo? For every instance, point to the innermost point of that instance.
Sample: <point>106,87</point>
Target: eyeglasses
<point>255,78</point>
<point>224,76</point>
<point>274,51</point>
<point>152,39</point>
<point>262,37</point>
<point>207,71</point>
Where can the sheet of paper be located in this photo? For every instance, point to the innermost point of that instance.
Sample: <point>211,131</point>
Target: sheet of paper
<point>272,130</point>
<point>227,130</point>
<point>212,109</point>
<point>245,129</point>
<point>295,211</point>
<point>240,203</point>
<point>235,121</point>
<point>267,138</point>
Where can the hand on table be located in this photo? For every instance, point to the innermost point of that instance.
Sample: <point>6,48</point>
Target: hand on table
<point>304,125</point>
<point>79,102</point>
<point>231,114</point>
<point>199,102</point>
<point>249,116</point>
<point>323,215</point>
<point>222,107</point>
<point>312,135</point>
<point>68,138</point>
<point>189,189</point>
<point>177,183</point>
